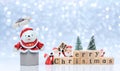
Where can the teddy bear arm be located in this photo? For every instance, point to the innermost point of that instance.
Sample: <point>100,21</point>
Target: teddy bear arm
<point>40,45</point>
<point>18,45</point>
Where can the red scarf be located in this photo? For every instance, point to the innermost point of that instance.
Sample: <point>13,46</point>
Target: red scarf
<point>29,44</point>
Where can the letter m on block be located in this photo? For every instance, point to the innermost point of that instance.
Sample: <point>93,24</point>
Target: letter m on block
<point>62,46</point>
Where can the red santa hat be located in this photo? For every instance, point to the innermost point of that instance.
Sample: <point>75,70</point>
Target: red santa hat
<point>55,48</point>
<point>45,55</point>
<point>69,46</point>
<point>24,30</point>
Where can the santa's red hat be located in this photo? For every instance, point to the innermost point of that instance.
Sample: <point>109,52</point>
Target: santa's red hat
<point>55,48</point>
<point>24,30</point>
<point>69,46</point>
<point>45,55</point>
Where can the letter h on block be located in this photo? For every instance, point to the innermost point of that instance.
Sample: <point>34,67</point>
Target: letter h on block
<point>66,60</point>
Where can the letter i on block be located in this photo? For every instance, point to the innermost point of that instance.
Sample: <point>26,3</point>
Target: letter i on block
<point>76,60</point>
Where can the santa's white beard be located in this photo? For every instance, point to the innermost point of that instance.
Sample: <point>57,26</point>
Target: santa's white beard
<point>68,54</point>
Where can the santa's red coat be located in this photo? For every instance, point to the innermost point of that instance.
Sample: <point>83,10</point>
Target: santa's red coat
<point>49,60</point>
<point>30,45</point>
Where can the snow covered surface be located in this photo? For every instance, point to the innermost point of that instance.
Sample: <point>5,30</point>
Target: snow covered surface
<point>62,68</point>
<point>61,20</point>
<point>11,65</point>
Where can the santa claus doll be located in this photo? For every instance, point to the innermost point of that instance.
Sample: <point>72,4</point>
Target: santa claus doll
<point>49,59</point>
<point>68,51</point>
<point>28,47</point>
<point>28,42</point>
<point>56,52</point>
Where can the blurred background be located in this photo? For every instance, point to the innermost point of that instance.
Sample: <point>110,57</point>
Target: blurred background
<point>61,20</point>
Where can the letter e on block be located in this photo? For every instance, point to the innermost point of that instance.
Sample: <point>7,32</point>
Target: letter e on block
<point>76,53</point>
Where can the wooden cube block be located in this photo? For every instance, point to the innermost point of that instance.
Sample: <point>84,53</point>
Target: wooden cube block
<point>97,53</point>
<point>100,60</point>
<point>66,60</point>
<point>104,60</point>
<point>97,60</point>
<point>76,53</point>
<point>84,54</point>
<point>84,61</point>
<point>110,60</point>
<point>56,61</point>
<point>107,60</point>
<point>93,53</point>
<point>90,61</point>
<point>76,60</point>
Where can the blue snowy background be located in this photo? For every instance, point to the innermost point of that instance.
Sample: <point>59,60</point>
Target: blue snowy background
<point>61,20</point>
